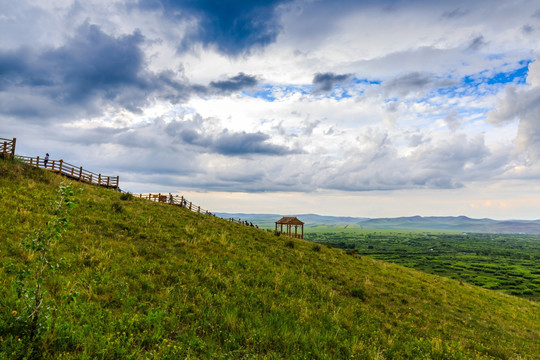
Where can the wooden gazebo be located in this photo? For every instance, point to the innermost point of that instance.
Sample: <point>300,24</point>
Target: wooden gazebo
<point>291,222</point>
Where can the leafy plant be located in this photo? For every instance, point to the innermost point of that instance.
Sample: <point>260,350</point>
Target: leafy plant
<point>32,312</point>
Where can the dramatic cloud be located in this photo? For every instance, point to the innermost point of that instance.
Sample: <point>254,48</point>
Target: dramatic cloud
<point>91,70</point>
<point>233,27</point>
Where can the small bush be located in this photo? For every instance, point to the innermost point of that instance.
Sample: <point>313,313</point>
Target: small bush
<point>276,233</point>
<point>351,252</point>
<point>316,248</point>
<point>289,244</point>
<point>117,207</point>
<point>126,196</point>
<point>358,293</point>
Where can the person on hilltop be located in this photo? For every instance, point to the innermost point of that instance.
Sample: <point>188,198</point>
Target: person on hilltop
<point>170,198</point>
<point>46,160</point>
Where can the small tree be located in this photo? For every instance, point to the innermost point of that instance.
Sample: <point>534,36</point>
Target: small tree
<point>31,276</point>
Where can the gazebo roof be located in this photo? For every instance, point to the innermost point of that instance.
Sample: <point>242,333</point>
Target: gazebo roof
<point>291,220</point>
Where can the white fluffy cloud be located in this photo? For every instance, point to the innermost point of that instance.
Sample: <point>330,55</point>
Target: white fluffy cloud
<point>523,105</point>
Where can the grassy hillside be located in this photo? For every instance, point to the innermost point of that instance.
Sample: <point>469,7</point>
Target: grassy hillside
<point>141,280</point>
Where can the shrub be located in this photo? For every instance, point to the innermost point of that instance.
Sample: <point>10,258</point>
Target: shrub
<point>117,207</point>
<point>358,293</point>
<point>126,196</point>
<point>290,244</point>
<point>316,248</point>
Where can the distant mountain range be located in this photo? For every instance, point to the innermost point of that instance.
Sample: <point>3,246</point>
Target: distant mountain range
<point>446,223</point>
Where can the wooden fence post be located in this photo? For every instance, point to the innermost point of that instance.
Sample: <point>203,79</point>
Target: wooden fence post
<point>13,148</point>
<point>182,201</point>
<point>199,210</point>
<point>4,152</point>
<point>108,180</point>
<point>117,181</point>
<point>80,173</point>
<point>190,204</point>
<point>99,179</point>
<point>60,167</point>
<point>52,169</point>
<point>37,161</point>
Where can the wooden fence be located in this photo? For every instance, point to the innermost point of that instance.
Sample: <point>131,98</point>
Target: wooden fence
<point>71,171</point>
<point>8,148</point>
<point>78,173</point>
<point>175,200</point>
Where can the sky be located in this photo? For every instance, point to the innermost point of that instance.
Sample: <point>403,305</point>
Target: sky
<point>348,108</point>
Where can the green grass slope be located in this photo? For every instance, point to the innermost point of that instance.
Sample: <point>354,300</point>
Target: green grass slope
<point>141,280</point>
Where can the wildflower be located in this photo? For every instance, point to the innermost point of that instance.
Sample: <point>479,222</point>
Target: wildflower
<point>14,312</point>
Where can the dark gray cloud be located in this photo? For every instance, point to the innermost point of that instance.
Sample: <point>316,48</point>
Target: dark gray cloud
<point>246,143</point>
<point>324,82</point>
<point>92,69</point>
<point>233,27</point>
<point>413,82</point>
<point>90,72</point>
<point>455,14</point>
<point>223,142</point>
<point>527,29</point>
<point>233,84</point>
<point>477,43</point>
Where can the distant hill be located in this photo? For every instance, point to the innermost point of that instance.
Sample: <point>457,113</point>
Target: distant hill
<point>441,223</point>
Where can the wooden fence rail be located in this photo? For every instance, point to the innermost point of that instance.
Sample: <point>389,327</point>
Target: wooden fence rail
<point>175,200</point>
<point>71,171</point>
<point>8,148</point>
